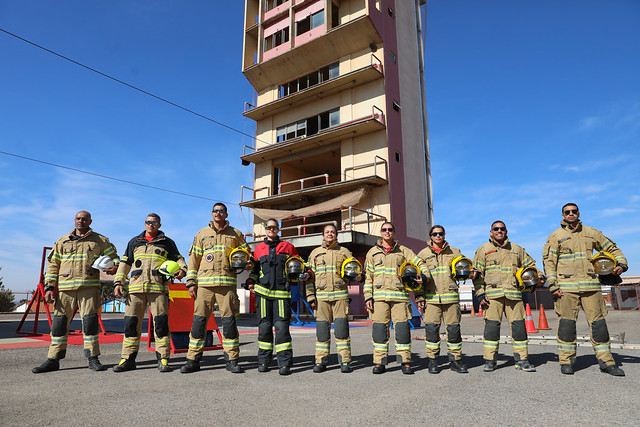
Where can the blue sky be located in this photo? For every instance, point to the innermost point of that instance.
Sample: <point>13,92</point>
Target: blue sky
<point>530,104</point>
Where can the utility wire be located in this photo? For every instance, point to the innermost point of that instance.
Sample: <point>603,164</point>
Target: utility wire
<point>134,87</point>
<point>115,179</point>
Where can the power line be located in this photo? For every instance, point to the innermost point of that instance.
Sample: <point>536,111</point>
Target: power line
<point>115,179</point>
<point>133,87</point>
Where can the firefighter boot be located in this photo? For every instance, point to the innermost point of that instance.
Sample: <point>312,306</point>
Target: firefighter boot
<point>346,368</point>
<point>263,367</point>
<point>489,365</point>
<point>524,365</point>
<point>613,370</point>
<point>48,366</point>
<point>163,365</point>
<point>190,366</point>
<point>458,366</point>
<point>379,369</point>
<point>233,367</point>
<point>566,369</point>
<point>433,366</point>
<point>284,370</point>
<point>319,368</point>
<point>406,369</point>
<point>125,365</point>
<point>95,365</point>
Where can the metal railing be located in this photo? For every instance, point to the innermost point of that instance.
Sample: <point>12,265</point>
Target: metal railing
<point>375,164</point>
<point>368,221</point>
<point>254,191</point>
<point>302,180</point>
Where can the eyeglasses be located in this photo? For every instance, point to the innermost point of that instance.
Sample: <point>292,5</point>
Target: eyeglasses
<point>151,222</point>
<point>437,233</point>
<point>219,211</point>
<point>499,228</point>
<point>384,230</point>
<point>272,227</point>
<point>571,211</point>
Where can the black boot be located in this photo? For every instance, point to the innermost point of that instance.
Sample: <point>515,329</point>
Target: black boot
<point>346,368</point>
<point>233,367</point>
<point>379,369</point>
<point>95,365</point>
<point>406,369</point>
<point>319,368</point>
<point>190,366</point>
<point>458,366</point>
<point>48,366</point>
<point>125,365</point>
<point>433,366</point>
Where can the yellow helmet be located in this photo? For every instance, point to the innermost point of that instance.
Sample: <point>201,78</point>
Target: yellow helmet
<point>294,267</point>
<point>461,268</point>
<point>408,274</point>
<point>527,278</point>
<point>351,269</point>
<point>238,259</point>
<point>169,268</point>
<point>604,263</point>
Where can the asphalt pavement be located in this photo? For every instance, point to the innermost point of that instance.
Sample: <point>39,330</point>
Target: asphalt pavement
<point>213,396</point>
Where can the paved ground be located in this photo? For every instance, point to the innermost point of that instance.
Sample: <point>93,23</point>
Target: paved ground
<point>75,395</point>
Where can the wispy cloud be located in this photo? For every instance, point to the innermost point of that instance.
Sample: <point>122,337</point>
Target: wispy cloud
<point>614,212</point>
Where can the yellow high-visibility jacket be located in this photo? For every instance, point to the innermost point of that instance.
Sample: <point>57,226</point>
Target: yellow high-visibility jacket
<point>497,266</point>
<point>567,257</point>
<point>71,258</point>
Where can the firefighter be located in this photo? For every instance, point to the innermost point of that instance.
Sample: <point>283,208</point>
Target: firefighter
<point>70,267</point>
<point>442,300</point>
<point>211,280</point>
<point>574,283</point>
<point>327,291</point>
<point>497,262</point>
<point>387,299</point>
<point>144,257</point>
<point>271,282</point>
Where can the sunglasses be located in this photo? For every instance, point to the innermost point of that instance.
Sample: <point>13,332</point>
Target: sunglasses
<point>437,233</point>
<point>499,228</point>
<point>151,222</point>
<point>571,211</point>
<point>272,227</point>
<point>219,211</point>
<point>387,229</point>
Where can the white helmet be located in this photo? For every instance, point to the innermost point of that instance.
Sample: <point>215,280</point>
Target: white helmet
<point>102,262</point>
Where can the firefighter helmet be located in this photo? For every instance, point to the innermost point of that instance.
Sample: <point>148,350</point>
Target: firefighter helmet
<point>102,262</point>
<point>351,269</point>
<point>238,259</point>
<point>527,278</point>
<point>604,263</point>
<point>295,267</point>
<point>461,268</point>
<point>169,268</point>
<point>408,273</point>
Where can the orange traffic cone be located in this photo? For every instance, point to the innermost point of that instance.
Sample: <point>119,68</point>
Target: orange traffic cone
<point>528,322</point>
<point>542,320</point>
<point>480,313</point>
<point>473,311</point>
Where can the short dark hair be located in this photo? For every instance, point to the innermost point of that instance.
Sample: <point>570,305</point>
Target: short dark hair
<point>436,226</point>
<point>271,220</point>
<point>569,204</point>
<point>219,204</point>
<point>498,221</point>
<point>154,215</point>
<point>329,225</point>
<point>388,222</point>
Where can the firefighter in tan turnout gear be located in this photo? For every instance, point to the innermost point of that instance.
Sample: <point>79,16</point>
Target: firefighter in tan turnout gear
<point>497,263</point>
<point>210,280</point>
<point>442,300</point>
<point>327,291</point>
<point>387,299</point>
<point>144,257</point>
<point>574,283</point>
<point>71,267</point>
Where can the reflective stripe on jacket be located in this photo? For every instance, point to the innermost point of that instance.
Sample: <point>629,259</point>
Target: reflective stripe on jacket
<point>143,258</point>
<point>209,256</point>
<point>382,282</point>
<point>443,289</point>
<point>498,266</point>
<point>326,264</point>
<point>567,257</point>
<point>269,271</point>
<point>71,258</point>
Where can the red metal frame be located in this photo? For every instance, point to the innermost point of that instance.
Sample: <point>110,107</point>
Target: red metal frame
<point>180,318</point>
<point>38,296</point>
